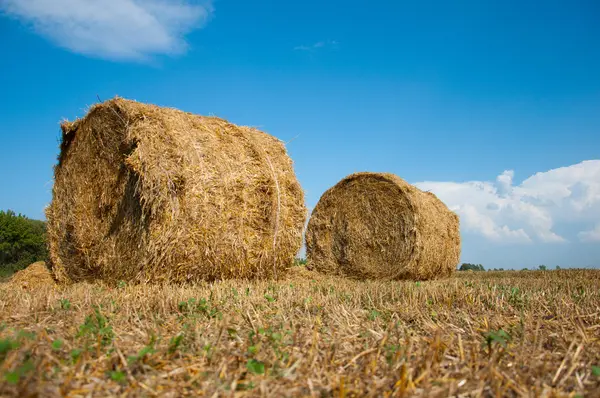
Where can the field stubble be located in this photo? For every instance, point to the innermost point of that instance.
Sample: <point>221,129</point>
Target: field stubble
<point>475,334</point>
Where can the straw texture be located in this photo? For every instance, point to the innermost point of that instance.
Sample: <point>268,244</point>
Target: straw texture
<point>32,277</point>
<point>145,193</point>
<point>377,226</point>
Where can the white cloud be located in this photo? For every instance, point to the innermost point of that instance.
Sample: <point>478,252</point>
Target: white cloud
<point>558,199</point>
<point>318,45</point>
<point>113,29</point>
<point>504,182</point>
<point>590,236</point>
<point>475,220</point>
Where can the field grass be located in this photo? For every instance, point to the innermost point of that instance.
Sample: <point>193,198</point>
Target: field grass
<point>489,334</point>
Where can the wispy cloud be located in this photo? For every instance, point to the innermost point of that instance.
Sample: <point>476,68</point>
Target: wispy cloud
<point>113,29</point>
<point>331,44</point>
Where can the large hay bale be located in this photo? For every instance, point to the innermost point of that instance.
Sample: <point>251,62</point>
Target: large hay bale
<point>377,226</point>
<point>144,193</point>
<point>33,277</point>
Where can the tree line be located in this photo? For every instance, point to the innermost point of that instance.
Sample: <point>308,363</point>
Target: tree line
<point>479,267</point>
<point>22,242</point>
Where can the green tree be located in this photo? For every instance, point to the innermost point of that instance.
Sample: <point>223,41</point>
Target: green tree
<point>22,241</point>
<point>542,268</point>
<point>299,261</point>
<point>471,267</point>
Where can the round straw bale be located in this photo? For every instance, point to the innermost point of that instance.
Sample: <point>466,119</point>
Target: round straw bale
<point>377,226</point>
<point>151,194</point>
<point>34,276</point>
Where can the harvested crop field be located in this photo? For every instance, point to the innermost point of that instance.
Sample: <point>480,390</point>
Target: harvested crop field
<point>488,334</point>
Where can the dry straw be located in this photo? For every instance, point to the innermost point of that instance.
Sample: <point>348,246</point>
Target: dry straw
<point>34,276</point>
<point>145,193</point>
<point>377,226</point>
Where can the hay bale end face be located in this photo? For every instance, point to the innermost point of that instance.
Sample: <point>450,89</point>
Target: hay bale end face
<point>377,226</point>
<point>152,194</point>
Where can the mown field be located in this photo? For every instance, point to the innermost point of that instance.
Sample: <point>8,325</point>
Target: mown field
<point>488,334</point>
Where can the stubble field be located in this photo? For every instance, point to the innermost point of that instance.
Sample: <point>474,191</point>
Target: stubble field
<point>488,334</point>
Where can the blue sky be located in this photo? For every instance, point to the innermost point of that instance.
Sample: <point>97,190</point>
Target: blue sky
<point>494,106</point>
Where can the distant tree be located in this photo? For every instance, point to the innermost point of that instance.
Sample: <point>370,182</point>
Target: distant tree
<point>542,268</point>
<point>22,241</point>
<point>471,267</point>
<point>557,267</point>
<point>525,269</point>
<point>300,261</point>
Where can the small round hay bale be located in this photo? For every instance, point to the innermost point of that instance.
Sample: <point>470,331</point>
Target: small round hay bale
<point>33,277</point>
<point>151,194</point>
<point>377,226</point>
